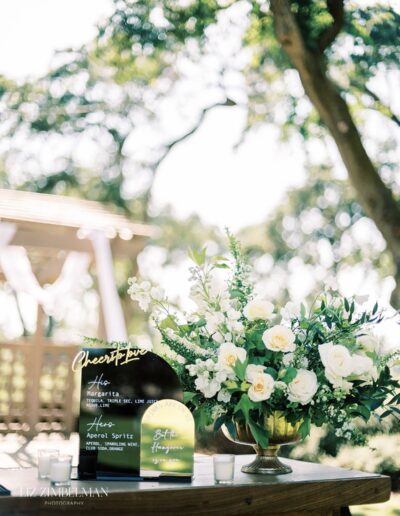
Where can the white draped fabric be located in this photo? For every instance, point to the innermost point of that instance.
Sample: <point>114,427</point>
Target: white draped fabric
<point>54,298</point>
<point>15,264</point>
<point>112,310</point>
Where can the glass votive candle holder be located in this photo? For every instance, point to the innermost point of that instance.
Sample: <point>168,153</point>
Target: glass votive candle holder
<point>60,471</point>
<point>224,468</point>
<point>45,458</point>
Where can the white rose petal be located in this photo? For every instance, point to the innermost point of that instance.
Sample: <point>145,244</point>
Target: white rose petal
<point>279,338</point>
<point>364,368</point>
<point>303,387</point>
<point>258,309</point>
<point>368,343</point>
<point>361,364</point>
<point>252,370</point>
<point>336,359</point>
<point>291,310</point>
<point>228,355</point>
<point>338,381</point>
<point>261,388</point>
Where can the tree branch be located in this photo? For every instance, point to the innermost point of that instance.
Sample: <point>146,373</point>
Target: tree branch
<point>169,146</point>
<point>379,104</point>
<point>375,196</point>
<point>328,36</point>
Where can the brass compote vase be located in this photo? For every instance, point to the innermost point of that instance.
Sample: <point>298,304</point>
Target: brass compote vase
<point>279,431</point>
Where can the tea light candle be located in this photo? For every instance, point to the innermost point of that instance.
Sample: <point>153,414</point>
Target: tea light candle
<point>224,467</point>
<point>60,471</point>
<point>45,458</point>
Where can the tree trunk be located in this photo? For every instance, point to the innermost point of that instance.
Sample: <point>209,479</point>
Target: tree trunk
<point>375,197</point>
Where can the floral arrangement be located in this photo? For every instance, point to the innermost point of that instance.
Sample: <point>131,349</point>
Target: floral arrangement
<point>240,357</point>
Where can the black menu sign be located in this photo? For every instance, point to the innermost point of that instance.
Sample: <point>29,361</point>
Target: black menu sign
<point>118,385</point>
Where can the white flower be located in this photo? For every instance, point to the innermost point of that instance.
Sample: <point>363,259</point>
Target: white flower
<point>303,362</point>
<point>364,367</point>
<point>221,376</point>
<point>258,309</point>
<point>361,364</point>
<point>157,293</point>
<point>261,388</point>
<point>303,387</point>
<point>291,310</point>
<point>368,343</point>
<point>207,387</point>
<point>280,385</point>
<point>237,326</point>
<point>218,337</point>
<point>213,321</point>
<point>361,299</point>
<point>224,396</point>
<point>287,359</point>
<point>218,287</point>
<point>228,355</point>
<point>279,338</point>
<point>145,285</point>
<point>252,370</point>
<point>336,359</point>
<point>233,314</point>
<point>225,304</point>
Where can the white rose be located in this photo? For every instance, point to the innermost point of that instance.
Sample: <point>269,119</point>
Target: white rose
<point>364,367</point>
<point>338,382</point>
<point>336,359</point>
<point>368,343</point>
<point>279,338</point>
<point>252,370</point>
<point>361,364</point>
<point>228,355</point>
<point>261,388</point>
<point>258,309</point>
<point>291,310</point>
<point>303,387</point>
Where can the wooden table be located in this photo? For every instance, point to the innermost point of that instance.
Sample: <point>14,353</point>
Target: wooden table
<point>311,490</point>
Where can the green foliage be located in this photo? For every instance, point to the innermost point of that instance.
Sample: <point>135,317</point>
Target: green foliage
<point>316,227</point>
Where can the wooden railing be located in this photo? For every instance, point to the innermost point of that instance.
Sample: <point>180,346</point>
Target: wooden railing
<point>36,387</point>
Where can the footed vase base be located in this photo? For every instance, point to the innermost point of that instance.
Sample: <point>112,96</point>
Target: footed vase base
<point>266,463</point>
